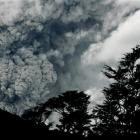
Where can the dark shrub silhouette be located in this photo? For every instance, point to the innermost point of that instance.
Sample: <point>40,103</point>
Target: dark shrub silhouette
<point>72,107</point>
<point>12,126</point>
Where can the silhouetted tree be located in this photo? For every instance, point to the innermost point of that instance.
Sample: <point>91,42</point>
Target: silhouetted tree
<point>120,112</point>
<point>72,108</point>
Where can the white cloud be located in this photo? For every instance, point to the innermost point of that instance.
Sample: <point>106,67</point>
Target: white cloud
<point>120,41</point>
<point>9,10</point>
<point>134,3</point>
<point>96,97</point>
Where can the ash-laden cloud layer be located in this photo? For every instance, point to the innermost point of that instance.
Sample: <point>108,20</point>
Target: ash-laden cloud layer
<point>50,46</point>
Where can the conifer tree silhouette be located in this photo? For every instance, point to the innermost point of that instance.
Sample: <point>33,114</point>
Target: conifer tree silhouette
<point>120,112</point>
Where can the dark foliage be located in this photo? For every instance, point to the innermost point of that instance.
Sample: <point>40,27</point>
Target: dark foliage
<point>12,127</point>
<point>72,108</point>
<point>119,115</point>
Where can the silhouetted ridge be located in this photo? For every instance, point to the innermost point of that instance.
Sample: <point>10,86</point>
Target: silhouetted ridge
<point>8,120</point>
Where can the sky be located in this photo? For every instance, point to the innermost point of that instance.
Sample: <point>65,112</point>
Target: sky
<point>50,46</point>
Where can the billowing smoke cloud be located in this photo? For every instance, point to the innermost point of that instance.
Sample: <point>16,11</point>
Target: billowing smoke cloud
<point>24,79</point>
<point>50,46</point>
